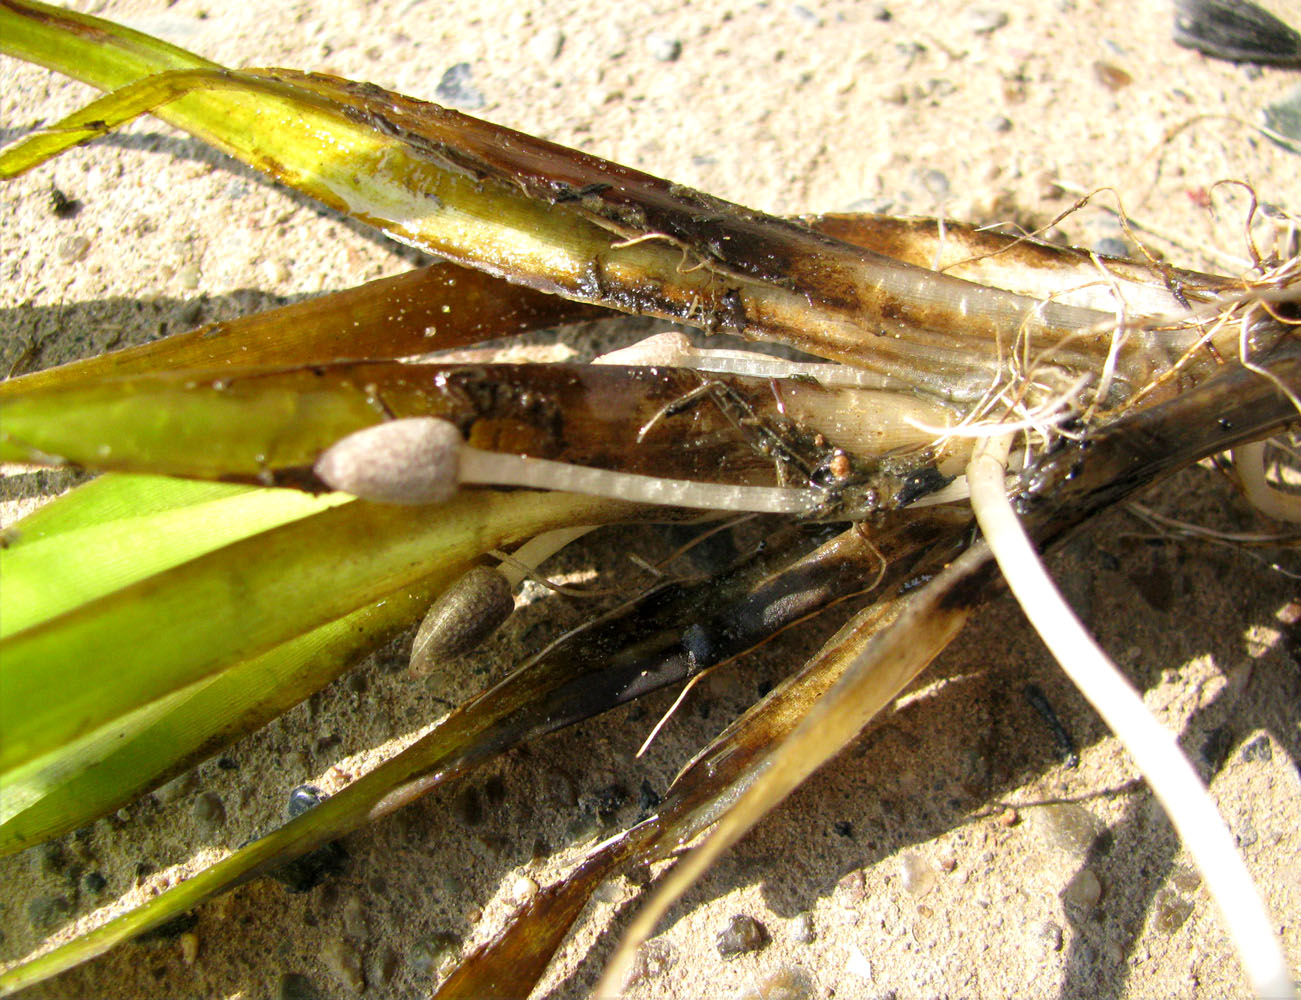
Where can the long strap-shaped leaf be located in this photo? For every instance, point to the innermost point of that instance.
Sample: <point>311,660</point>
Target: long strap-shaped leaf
<point>67,676</point>
<point>563,221</point>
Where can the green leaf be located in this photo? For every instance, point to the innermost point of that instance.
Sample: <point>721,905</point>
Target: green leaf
<point>65,677</point>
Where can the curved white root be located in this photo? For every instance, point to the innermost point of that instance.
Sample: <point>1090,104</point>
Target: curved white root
<point>1153,748</point>
<point>1249,460</point>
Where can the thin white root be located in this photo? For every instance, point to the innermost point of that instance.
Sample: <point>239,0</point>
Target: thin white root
<point>1249,461</point>
<point>1153,748</point>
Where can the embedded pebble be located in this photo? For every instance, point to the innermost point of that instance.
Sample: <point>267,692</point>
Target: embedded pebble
<point>546,45</point>
<point>71,249</point>
<point>853,886</point>
<point>1111,246</point>
<point>63,206</point>
<point>1258,749</point>
<point>917,874</point>
<point>1185,879</point>
<point>433,952</point>
<point>662,47</point>
<point>209,814</point>
<point>999,123</point>
<point>178,788</point>
<point>52,858</point>
<point>302,798</point>
<point>523,889</point>
<point>189,277</point>
<point>296,986</point>
<point>1172,912</point>
<point>1046,935</point>
<point>94,882</point>
<point>344,963</point>
<point>457,88</point>
<point>45,912</point>
<point>786,982</point>
<point>858,964</point>
<point>985,20</point>
<point>1083,891</point>
<point>653,960</point>
<point>189,947</point>
<point>743,934</point>
<point>803,929</point>
<point>1111,76</point>
<point>381,966</point>
<point>936,183</point>
<point>276,271</point>
<point>1067,827</point>
<point>806,15</point>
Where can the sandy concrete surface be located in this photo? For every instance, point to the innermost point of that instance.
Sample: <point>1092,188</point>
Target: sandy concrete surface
<point>949,852</point>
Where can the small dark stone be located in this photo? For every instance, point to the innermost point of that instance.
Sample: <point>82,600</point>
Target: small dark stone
<point>94,882</point>
<point>46,912</point>
<point>844,828</point>
<point>296,986</point>
<point>303,798</point>
<point>743,934</point>
<point>1215,749</point>
<point>225,763</point>
<point>456,88</point>
<point>306,873</point>
<point>1258,749</point>
<point>1237,31</point>
<point>62,206</point>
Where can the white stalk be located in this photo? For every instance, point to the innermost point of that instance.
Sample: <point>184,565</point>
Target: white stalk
<point>423,460</point>
<point>1153,748</point>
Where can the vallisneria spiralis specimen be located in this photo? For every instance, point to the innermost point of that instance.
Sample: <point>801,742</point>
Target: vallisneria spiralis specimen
<point>290,487</point>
